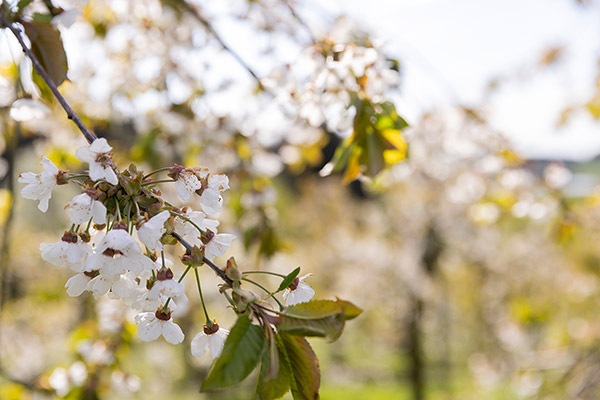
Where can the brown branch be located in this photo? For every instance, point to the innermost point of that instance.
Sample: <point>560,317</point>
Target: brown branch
<point>221,274</point>
<point>89,136</point>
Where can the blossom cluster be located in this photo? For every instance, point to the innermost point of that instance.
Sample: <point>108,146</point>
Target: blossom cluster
<point>121,225</point>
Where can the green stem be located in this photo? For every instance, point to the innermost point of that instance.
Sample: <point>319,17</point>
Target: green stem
<point>257,284</point>
<point>162,256</point>
<point>184,273</point>
<point>201,297</point>
<point>118,210</point>
<point>69,177</point>
<point>188,220</point>
<point>159,181</point>
<point>266,290</point>
<point>263,272</point>
<point>156,171</point>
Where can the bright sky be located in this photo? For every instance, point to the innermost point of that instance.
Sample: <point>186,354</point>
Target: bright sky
<point>453,49</point>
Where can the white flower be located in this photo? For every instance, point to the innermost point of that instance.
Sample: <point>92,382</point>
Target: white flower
<point>214,340</point>
<point>70,251</point>
<point>126,289</point>
<point>154,324</point>
<point>39,186</point>
<point>187,183</point>
<point>102,283</point>
<point>167,288</point>
<point>217,244</point>
<point>298,292</point>
<point>211,199</point>
<point>117,253</point>
<point>188,231</point>
<point>97,155</point>
<point>82,207</point>
<point>78,283</point>
<point>151,232</point>
<point>199,180</point>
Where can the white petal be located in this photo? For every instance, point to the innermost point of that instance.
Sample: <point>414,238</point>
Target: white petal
<point>149,329</point>
<point>77,285</point>
<point>48,165</point>
<point>182,191</point>
<point>199,343</point>
<point>98,213</point>
<point>219,182</point>
<point>85,155</point>
<point>100,145</point>
<point>301,294</point>
<point>211,201</point>
<point>172,332</point>
<point>217,342</point>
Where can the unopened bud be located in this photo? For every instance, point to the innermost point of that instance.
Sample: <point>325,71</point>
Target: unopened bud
<point>232,271</point>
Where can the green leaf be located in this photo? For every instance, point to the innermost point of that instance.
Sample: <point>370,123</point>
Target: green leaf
<point>314,309</point>
<point>322,318</point>
<point>243,349</point>
<point>350,310</point>
<point>304,367</point>
<point>277,387</point>
<point>22,4</point>
<point>289,279</point>
<point>47,46</point>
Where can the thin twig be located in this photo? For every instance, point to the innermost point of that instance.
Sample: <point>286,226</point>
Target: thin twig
<point>208,26</point>
<point>212,265</point>
<point>300,21</point>
<point>89,136</point>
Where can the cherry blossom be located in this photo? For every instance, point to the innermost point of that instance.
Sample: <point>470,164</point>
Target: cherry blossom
<point>216,244</point>
<point>39,186</point>
<point>298,292</point>
<point>151,232</point>
<point>70,251</point>
<point>117,253</point>
<point>83,207</point>
<point>154,324</point>
<point>97,155</point>
<point>212,337</point>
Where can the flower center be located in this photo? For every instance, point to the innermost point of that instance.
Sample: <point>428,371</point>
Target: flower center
<point>112,253</point>
<point>163,315</point>
<point>294,284</point>
<point>92,274</point>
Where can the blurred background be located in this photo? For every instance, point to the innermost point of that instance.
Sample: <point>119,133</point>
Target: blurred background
<point>467,230</point>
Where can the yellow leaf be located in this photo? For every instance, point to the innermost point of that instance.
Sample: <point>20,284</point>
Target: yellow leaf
<point>392,157</point>
<point>394,137</point>
<point>353,167</point>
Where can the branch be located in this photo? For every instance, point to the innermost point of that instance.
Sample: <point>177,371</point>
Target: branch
<point>212,265</point>
<point>208,26</point>
<point>89,136</point>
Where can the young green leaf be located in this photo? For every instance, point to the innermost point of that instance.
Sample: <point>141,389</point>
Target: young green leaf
<point>289,279</point>
<point>350,310</point>
<point>47,46</point>
<point>304,367</point>
<point>278,386</point>
<point>323,318</point>
<point>243,349</point>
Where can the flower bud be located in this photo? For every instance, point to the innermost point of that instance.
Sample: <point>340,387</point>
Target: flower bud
<point>232,271</point>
